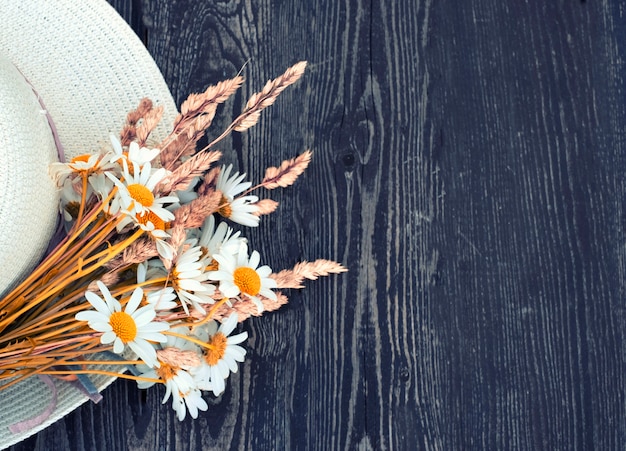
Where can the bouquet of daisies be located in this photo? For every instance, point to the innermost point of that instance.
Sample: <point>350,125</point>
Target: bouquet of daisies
<point>151,272</point>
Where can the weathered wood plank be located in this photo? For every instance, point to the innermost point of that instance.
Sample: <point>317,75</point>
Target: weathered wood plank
<point>468,168</point>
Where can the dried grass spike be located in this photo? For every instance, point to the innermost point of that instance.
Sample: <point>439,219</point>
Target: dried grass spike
<point>267,96</point>
<point>246,309</point>
<point>129,131</point>
<point>149,123</point>
<point>183,175</point>
<point>288,171</point>
<point>209,183</point>
<point>265,207</point>
<point>195,212</point>
<point>178,357</point>
<point>108,279</point>
<point>140,251</point>
<point>247,121</point>
<point>292,278</point>
<point>219,93</point>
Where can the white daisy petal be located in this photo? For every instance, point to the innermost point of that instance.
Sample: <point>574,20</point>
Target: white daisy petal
<point>268,294</point>
<point>255,258</point>
<point>237,352</point>
<point>108,337</point>
<point>134,301</point>
<point>144,315</point>
<point>228,325</point>
<point>102,325</point>
<point>118,345</point>
<point>144,350</point>
<point>236,339</point>
<point>97,302</point>
<point>230,364</point>
<point>89,316</point>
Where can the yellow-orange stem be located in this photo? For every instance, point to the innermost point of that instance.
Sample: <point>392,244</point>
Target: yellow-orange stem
<point>189,338</point>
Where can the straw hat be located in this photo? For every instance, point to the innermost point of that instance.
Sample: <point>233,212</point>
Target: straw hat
<point>69,72</point>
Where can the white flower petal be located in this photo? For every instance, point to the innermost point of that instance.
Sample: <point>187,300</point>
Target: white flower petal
<point>108,337</point>
<point>134,301</point>
<point>144,350</point>
<point>91,316</point>
<point>236,339</point>
<point>97,303</point>
<point>118,346</point>
<point>229,325</point>
<point>255,258</point>
<point>144,315</point>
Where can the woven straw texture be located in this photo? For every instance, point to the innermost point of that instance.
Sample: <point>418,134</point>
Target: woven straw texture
<point>89,69</point>
<point>27,212</point>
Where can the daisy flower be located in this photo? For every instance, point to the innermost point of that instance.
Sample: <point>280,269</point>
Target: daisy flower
<point>135,155</point>
<point>132,327</point>
<point>237,209</point>
<point>101,184</point>
<point>135,193</point>
<point>215,240</point>
<point>222,356</point>
<point>162,299</point>
<point>193,402</point>
<point>238,274</point>
<point>80,164</point>
<point>179,383</point>
<point>190,280</point>
<point>71,199</point>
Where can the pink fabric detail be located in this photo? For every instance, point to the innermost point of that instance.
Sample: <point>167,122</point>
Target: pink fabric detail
<point>25,425</point>
<point>53,128</point>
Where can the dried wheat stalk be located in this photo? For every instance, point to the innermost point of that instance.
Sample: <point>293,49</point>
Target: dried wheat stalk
<point>141,250</point>
<point>150,120</point>
<point>179,358</point>
<point>183,175</point>
<point>129,131</point>
<point>246,309</point>
<point>265,207</point>
<point>209,182</point>
<point>205,103</point>
<point>194,213</point>
<point>288,171</point>
<point>261,100</point>
<point>292,278</point>
<point>197,113</point>
<point>267,96</point>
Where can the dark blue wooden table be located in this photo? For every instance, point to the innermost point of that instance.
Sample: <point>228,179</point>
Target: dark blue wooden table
<point>469,162</point>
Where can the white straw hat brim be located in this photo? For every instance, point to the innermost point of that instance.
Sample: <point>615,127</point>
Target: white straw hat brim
<point>89,69</point>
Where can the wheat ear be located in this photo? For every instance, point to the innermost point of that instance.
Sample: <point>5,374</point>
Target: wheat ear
<point>293,278</point>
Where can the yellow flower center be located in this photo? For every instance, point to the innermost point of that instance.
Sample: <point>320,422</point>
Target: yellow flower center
<point>247,280</point>
<point>152,217</point>
<point>84,158</point>
<point>141,194</point>
<point>225,209</point>
<point>123,326</point>
<point>166,371</point>
<point>213,266</point>
<point>131,166</point>
<point>218,343</point>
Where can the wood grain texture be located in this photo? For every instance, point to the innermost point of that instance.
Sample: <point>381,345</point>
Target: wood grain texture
<point>468,168</point>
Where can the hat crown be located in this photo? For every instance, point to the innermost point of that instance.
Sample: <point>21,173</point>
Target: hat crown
<point>28,197</point>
